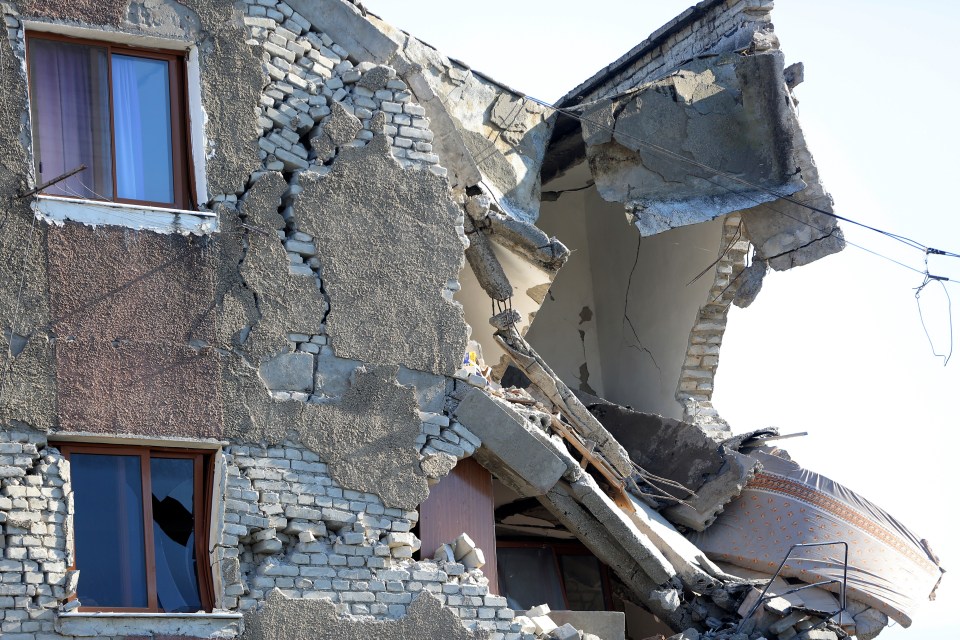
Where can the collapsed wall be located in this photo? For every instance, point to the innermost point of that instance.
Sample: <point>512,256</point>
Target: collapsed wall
<point>307,336</point>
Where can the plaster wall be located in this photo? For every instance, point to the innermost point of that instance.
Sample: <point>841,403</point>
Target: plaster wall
<point>642,370</point>
<point>566,334</point>
<point>636,340</point>
<point>125,308</point>
<point>530,285</point>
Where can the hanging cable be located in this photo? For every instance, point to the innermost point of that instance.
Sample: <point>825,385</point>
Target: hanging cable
<point>927,279</point>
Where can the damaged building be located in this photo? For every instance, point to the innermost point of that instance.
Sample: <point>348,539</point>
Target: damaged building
<point>310,331</point>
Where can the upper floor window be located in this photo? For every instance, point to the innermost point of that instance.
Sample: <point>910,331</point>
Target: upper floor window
<point>117,110</point>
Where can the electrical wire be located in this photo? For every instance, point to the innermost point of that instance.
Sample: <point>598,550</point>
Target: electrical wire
<point>827,234</point>
<point>946,356</point>
<point>914,244</point>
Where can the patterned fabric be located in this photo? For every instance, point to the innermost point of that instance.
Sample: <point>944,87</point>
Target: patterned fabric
<point>888,566</point>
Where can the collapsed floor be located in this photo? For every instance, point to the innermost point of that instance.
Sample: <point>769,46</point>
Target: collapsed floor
<point>630,507</point>
<point>369,217</point>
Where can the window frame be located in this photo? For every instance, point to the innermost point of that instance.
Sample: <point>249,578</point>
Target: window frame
<point>203,472</point>
<point>184,179</point>
<point>565,548</point>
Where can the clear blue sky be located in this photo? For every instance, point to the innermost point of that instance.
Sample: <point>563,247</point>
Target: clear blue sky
<point>835,348</point>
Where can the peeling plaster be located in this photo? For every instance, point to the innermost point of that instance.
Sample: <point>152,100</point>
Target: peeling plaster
<point>282,618</point>
<point>379,228</point>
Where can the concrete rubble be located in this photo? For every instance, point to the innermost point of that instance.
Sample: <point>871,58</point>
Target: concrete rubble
<point>396,281</point>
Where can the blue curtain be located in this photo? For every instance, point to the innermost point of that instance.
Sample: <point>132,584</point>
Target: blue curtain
<point>127,127</point>
<point>142,129</point>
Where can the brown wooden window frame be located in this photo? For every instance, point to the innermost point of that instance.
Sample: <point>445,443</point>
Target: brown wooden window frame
<point>184,184</point>
<point>203,471</point>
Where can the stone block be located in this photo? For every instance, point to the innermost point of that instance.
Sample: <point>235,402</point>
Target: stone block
<point>543,624</point>
<point>609,625</point>
<point>566,632</point>
<point>288,372</point>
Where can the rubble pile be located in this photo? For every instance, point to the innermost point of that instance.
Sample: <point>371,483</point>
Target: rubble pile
<point>544,442</point>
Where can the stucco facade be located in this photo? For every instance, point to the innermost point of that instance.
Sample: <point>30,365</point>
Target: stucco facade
<point>363,206</point>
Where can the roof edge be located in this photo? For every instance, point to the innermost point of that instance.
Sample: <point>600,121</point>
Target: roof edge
<point>653,40</point>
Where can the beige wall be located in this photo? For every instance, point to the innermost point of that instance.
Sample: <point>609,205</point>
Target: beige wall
<point>661,305</point>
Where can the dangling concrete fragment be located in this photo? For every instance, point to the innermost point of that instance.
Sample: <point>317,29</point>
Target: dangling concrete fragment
<point>484,262</point>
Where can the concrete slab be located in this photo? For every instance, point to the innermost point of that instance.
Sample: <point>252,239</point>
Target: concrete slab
<point>507,443</point>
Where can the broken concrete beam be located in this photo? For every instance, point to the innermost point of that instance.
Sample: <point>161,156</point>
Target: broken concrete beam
<point>507,445</point>
<point>529,241</point>
<point>683,555</point>
<point>485,264</point>
<point>643,551</point>
<point>683,453</point>
<point>540,374</point>
<point>606,546</point>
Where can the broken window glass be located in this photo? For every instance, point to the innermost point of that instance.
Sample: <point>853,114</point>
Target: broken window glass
<point>139,512</point>
<point>173,534</point>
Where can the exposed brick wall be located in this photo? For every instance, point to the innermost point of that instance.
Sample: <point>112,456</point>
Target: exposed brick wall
<point>695,388</point>
<point>36,544</point>
<point>728,26</point>
<point>289,525</point>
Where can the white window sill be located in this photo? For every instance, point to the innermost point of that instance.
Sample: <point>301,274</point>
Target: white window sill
<point>89,624</point>
<point>132,216</point>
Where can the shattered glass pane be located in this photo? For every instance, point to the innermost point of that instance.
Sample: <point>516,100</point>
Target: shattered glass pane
<point>171,481</point>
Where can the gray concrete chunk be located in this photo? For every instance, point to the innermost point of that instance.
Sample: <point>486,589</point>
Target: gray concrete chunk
<point>506,442</point>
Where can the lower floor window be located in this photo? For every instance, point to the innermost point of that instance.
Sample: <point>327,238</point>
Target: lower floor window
<point>562,575</point>
<point>140,521</point>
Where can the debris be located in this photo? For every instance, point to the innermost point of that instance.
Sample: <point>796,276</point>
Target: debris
<point>870,623</point>
<point>509,448</point>
<point>540,374</point>
<point>669,599</point>
<point>680,452</point>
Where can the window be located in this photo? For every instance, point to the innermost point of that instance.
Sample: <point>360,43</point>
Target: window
<point>140,525</point>
<point>117,110</point>
<point>563,575</point>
